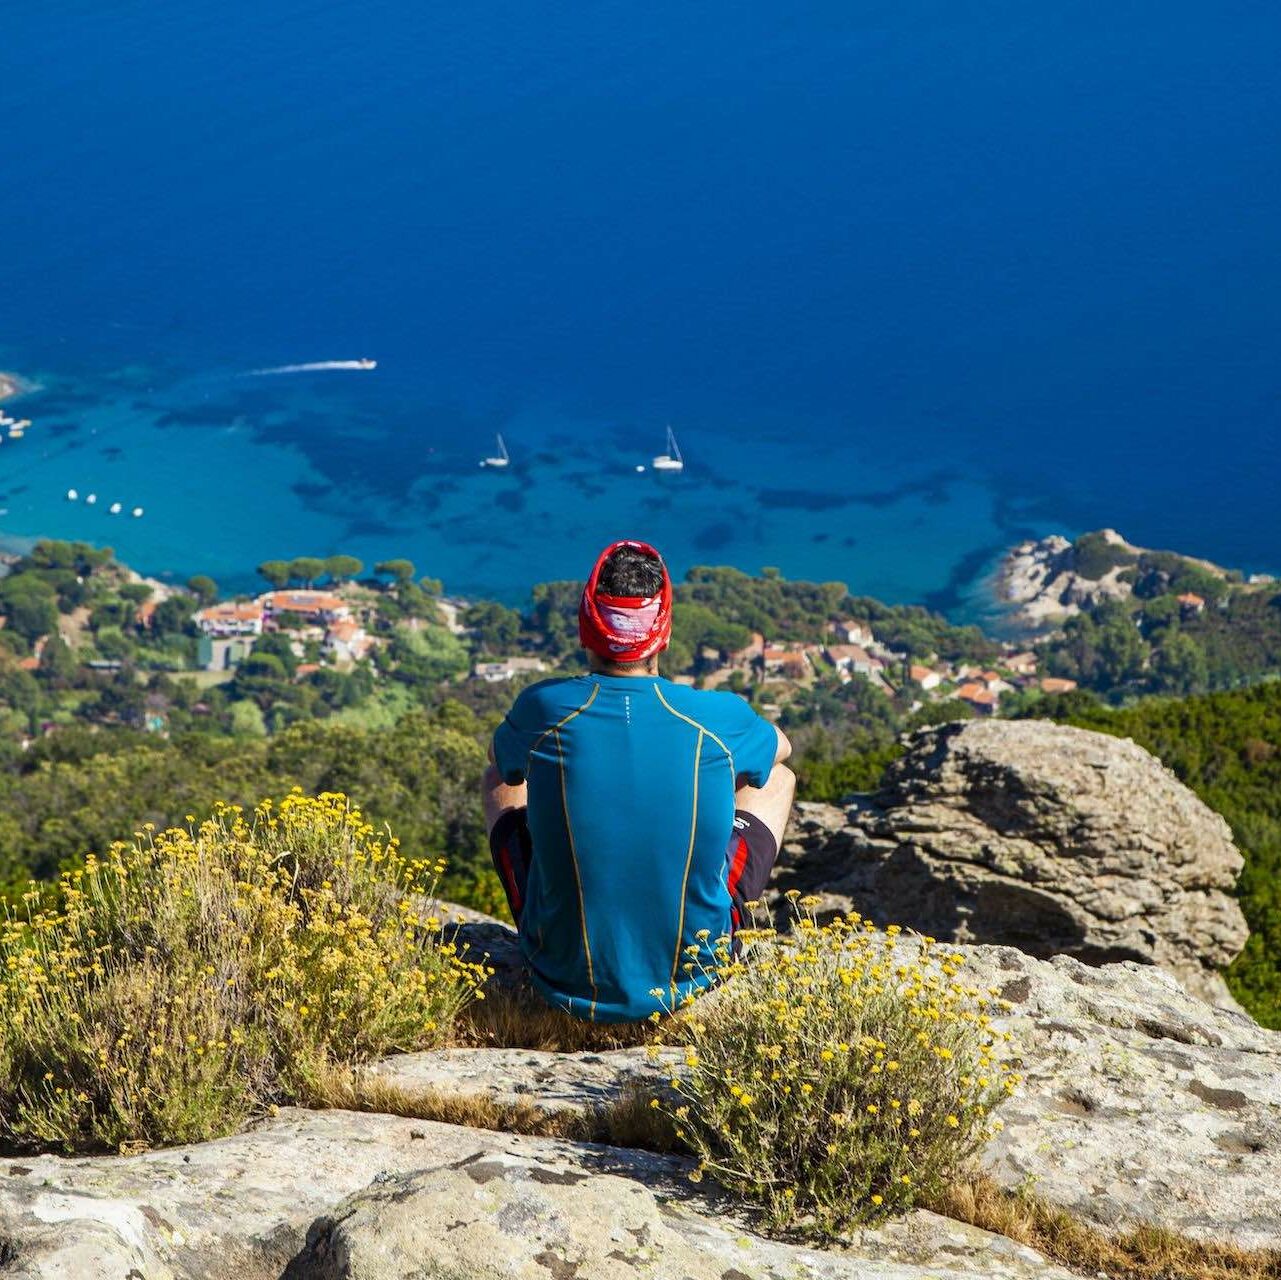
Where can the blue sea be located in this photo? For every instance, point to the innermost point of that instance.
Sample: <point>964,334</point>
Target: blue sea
<point>910,281</point>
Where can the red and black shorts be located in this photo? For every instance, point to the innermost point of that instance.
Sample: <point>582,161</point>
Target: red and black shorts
<point>752,853</point>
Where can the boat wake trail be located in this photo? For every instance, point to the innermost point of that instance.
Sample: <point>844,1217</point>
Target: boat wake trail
<point>315,366</point>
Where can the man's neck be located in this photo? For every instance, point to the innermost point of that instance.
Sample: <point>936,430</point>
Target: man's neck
<point>598,668</point>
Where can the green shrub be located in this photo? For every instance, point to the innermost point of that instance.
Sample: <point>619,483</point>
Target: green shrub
<point>842,1075</point>
<point>1094,556</point>
<point>195,978</point>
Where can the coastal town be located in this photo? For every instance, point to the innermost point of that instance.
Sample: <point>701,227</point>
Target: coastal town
<point>86,640</point>
<point>342,626</point>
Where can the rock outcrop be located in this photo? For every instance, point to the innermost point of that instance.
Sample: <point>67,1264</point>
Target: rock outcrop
<point>1046,580</point>
<point>1140,1104</point>
<point>1039,580</point>
<point>1052,839</point>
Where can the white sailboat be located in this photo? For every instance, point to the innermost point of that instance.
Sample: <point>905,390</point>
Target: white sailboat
<point>501,459</point>
<point>671,460</point>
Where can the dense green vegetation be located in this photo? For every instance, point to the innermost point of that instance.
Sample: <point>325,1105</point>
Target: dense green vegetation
<point>78,790</point>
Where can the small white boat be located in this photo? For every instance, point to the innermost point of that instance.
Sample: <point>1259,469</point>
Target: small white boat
<point>136,512</point>
<point>671,460</point>
<point>72,496</point>
<point>501,459</point>
<point>115,508</point>
<point>91,499</point>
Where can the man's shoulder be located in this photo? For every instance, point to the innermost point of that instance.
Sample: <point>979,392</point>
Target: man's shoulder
<point>709,707</point>
<point>554,697</point>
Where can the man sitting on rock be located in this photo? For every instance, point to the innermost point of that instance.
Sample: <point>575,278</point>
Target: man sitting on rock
<point>631,818</point>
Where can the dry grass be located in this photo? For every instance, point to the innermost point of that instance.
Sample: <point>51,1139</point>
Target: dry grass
<point>629,1121</point>
<point>1141,1253</point>
<point>521,1020</point>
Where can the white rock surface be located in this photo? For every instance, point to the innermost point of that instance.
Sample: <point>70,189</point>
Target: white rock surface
<point>514,1217</point>
<point>317,1194</point>
<point>549,1081</point>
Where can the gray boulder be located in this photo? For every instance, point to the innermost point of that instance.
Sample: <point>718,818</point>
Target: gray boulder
<point>517,1217</point>
<point>1055,840</point>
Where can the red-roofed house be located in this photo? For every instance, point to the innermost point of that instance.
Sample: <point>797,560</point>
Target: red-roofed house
<point>983,700</point>
<point>231,618</point>
<point>346,641</point>
<point>790,663</point>
<point>1056,684</point>
<point>1190,602</point>
<point>315,606</point>
<point>926,677</point>
<point>852,631</point>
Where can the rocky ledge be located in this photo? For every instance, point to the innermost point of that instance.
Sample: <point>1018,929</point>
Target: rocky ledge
<point>1141,1104</point>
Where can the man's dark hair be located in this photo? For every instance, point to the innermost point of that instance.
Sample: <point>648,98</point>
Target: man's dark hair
<point>629,572</point>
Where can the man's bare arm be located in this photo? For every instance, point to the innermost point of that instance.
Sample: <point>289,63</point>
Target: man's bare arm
<point>784,746</point>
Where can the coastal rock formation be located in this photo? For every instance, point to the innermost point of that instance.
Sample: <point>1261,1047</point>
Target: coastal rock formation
<point>1052,839</point>
<point>1140,1104</point>
<point>1040,578</point>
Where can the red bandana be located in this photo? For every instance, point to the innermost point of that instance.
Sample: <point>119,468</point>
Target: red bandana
<point>625,628</point>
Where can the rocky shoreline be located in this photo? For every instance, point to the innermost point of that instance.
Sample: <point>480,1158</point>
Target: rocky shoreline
<point>1038,582</point>
<point>1042,582</point>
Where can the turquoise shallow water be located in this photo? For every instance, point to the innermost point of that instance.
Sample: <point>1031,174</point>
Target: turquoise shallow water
<point>909,282</point>
<point>233,470</point>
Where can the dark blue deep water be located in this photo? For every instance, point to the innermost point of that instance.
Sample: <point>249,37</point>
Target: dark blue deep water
<point>909,279</point>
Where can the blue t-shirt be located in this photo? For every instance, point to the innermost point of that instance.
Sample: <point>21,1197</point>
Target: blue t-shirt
<point>631,808</point>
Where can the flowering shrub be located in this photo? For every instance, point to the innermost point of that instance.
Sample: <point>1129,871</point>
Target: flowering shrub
<point>183,983</point>
<point>843,1074</point>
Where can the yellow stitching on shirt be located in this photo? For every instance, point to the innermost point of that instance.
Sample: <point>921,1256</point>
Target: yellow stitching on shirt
<point>578,879</point>
<point>560,724</point>
<point>702,728</point>
<point>689,858</point>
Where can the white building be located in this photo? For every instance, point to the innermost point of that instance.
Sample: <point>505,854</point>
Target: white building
<point>507,669</point>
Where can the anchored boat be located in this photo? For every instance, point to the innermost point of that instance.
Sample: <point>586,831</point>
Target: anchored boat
<point>671,460</point>
<point>501,459</point>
